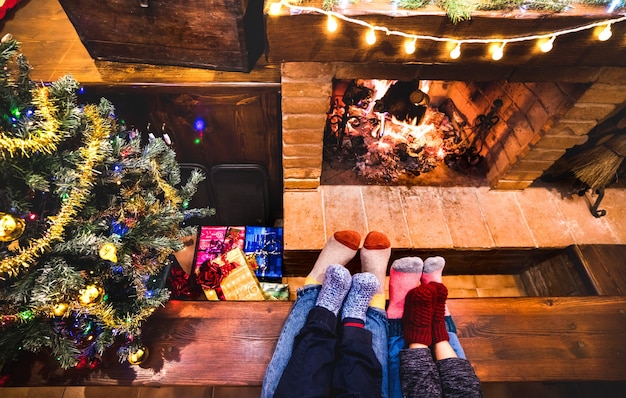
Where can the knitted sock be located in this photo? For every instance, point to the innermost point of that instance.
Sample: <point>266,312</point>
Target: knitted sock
<point>418,316</point>
<point>440,294</point>
<point>433,269</point>
<point>336,285</point>
<point>339,249</point>
<point>404,275</point>
<point>364,285</point>
<point>374,259</point>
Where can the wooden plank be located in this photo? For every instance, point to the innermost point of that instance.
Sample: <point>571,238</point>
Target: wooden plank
<point>543,339</point>
<point>301,38</point>
<point>605,266</point>
<point>231,343</point>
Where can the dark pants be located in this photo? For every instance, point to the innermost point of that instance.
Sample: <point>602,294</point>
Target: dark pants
<point>325,363</point>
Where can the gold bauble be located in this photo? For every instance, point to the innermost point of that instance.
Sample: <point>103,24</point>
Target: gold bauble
<point>138,356</point>
<point>60,309</point>
<point>91,294</point>
<point>11,227</point>
<point>108,251</point>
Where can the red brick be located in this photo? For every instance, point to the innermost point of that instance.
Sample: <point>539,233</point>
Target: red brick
<point>589,111</point>
<point>302,162</point>
<point>576,127</point>
<point>302,136</point>
<point>302,121</point>
<point>510,184</point>
<point>312,150</point>
<point>385,213</point>
<point>306,89</point>
<point>425,217</point>
<point>300,184</point>
<point>301,173</point>
<point>605,93</point>
<point>504,219</point>
<point>304,220</point>
<point>316,71</point>
<point>296,105</point>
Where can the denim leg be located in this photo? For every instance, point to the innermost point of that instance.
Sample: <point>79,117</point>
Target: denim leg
<point>454,339</point>
<point>376,323</point>
<point>305,301</point>
<point>396,344</point>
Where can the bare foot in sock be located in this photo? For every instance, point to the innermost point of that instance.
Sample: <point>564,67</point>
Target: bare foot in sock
<point>433,270</point>
<point>340,248</point>
<point>417,319</point>
<point>440,295</point>
<point>404,275</point>
<point>364,286</point>
<point>375,257</point>
<point>336,285</point>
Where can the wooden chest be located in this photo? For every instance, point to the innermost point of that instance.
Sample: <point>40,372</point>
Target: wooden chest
<point>214,34</point>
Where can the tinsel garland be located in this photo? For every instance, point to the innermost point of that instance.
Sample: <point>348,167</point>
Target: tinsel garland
<point>91,156</point>
<point>170,192</point>
<point>46,139</point>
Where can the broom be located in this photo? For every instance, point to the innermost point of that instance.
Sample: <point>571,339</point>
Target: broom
<point>598,166</point>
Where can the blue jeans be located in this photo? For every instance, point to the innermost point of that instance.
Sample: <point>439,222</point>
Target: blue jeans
<point>306,297</point>
<point>397,344</point>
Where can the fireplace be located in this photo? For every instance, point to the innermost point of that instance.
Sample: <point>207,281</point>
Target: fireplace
<point>537,120</point>
<point>541,117</point>
<point>433,132</point>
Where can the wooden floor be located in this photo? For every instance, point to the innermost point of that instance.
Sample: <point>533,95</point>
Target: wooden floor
<point>490,390</point>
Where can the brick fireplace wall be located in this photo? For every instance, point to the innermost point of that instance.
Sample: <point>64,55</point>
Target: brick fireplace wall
<point>542,120</point>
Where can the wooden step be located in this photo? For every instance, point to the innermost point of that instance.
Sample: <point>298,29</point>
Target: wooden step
<point>506,339</point>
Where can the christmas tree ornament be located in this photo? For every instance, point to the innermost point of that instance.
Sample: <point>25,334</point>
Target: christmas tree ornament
<point>90,295</point>
<point>138,356</point>
<point>11,227</point>
<point>60,309</point>
<point>108,252</point>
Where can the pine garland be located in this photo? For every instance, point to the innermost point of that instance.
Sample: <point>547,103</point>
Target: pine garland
<point>461,10</point>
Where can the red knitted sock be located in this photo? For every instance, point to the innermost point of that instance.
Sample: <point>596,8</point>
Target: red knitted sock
<point>440,294</point>
<point>418,316</point>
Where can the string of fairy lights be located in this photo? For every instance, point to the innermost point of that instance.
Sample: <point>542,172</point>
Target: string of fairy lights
<point>496,46</point>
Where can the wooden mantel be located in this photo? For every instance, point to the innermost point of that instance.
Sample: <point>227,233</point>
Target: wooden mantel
<point>304,38</point>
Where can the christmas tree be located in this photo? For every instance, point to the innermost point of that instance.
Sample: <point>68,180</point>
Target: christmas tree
<point>90,213</point>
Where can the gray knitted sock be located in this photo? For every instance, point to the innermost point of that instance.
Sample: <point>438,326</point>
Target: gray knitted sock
<point>433,269</point>
<point>364,286</point>
<point>337,281</point>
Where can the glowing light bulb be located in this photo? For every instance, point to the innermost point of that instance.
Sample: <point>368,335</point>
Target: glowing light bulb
<point>370,38</point>
<point>456,52</point>
<point>331,24</point>
<point>275,8</point>
<point>409,46</point>
<point>497,52</point>
<point>546,45</point>
<point>605,34</point>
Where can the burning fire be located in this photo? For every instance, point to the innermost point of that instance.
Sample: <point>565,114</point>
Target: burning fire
<point>382,125</point>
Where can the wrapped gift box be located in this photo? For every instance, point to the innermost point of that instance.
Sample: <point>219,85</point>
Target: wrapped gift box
<point>266,245</point>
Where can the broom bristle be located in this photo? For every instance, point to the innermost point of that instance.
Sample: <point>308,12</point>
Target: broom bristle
<point>597,167</point>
